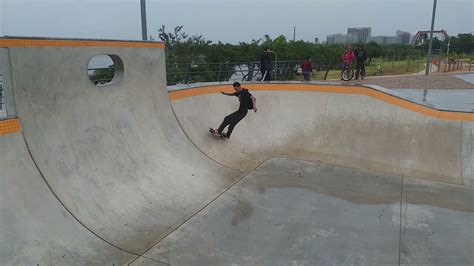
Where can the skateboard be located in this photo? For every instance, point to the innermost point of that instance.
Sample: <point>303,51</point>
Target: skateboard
<point>214,132</point>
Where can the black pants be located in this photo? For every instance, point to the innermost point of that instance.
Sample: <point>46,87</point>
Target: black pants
<point>360,69</point>
<point>268,76</point>
<point>231,120</point>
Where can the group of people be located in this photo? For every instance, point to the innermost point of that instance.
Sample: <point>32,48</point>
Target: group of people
<point>266,66</point>
<point>359,55</point>
<point>347,58</point>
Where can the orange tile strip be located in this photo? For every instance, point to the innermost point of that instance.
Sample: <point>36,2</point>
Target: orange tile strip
<point>77,43</point>
<point>9,126</point>
<point>447,115</point>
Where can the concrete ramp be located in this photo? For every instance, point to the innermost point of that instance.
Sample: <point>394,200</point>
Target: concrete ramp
<point>127,173</point>
<point>352,126</point>
<point>114,156</point>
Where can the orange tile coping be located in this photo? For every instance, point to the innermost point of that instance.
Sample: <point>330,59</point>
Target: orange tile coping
<point>77,43</point>
<point>447,115</point>
<point>9,126</point>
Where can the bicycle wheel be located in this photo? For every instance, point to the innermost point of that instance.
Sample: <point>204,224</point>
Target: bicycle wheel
<point>347,74</point>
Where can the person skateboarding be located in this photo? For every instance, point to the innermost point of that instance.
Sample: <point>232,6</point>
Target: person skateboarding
<point>247,102</point>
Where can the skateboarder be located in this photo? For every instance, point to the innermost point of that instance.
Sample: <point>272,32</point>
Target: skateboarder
<point>247,102</point>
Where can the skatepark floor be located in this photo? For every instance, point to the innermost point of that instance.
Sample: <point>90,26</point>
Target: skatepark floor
<point>293,212</point>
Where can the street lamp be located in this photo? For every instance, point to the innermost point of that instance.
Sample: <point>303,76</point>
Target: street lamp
<point>393,58</point>
<point>428,60</point>
<point>143,12</point>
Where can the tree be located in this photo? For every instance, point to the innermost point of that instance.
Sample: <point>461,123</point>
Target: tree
<point>374,50</point>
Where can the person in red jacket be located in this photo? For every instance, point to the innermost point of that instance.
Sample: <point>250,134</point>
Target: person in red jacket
<point>307,68</point>
<point>347,58</point>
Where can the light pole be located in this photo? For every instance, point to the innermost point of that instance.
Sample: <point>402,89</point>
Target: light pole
<point>393,58</point>
<point>449,44</point>
<point>276,65</point>
<point>428,60</point>
<point>143,12</point>
<point>446,62</point>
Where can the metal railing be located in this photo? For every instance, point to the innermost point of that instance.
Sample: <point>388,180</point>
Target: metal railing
<point>101,76</point>
<point>185,73</point>
<point>451,64</point>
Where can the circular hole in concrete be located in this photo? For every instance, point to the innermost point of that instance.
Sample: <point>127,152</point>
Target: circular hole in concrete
<point>105,69</point>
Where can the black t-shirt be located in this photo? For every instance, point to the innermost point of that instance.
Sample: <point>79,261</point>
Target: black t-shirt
<point>245,98</point>
<point>361,56</point>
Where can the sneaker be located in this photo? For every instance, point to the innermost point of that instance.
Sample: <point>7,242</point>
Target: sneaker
<point>214,131</point>
<point>224,135</point>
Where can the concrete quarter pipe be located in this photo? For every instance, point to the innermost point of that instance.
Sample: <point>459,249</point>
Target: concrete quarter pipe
<point>323,175</point>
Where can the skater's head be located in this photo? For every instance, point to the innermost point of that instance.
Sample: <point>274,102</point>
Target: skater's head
<point>237,87</point>
<point>360,48</point>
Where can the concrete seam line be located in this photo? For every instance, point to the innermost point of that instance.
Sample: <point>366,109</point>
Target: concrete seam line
<point>69,211</point>
<point>204,207</point>
<point>461,140</point>
<point>365,170</point>
<point>400,232</point>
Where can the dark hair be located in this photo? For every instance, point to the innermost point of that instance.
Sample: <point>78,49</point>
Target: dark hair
<point>308,57</point>
<point>236,84</point>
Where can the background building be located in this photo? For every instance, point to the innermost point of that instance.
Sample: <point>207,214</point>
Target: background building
<point>404,36</point>
<point>362,33</point>
<point>340,38</point>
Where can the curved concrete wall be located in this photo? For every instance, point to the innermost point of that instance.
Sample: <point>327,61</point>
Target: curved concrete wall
<point>321,123</point>
<point>113,155</point>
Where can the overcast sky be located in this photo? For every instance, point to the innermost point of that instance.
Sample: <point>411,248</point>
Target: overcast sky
<point>229,20</point>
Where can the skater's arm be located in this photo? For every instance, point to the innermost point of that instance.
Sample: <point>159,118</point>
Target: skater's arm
<point>254,101</point>
<point>228,93</point>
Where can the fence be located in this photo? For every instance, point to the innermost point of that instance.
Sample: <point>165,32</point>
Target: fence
<point>449,65</point>
<point>282,70</point>
<point>238,71</point>
<point>187,73</point>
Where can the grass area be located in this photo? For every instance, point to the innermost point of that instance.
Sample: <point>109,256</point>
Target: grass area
<point>387,67</point>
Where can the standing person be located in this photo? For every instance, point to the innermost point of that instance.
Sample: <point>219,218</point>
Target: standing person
<point>347,58</point>
<point>247,102</point>
<point>361,57</point>
<point>307,68</point>
<point>266,65</point>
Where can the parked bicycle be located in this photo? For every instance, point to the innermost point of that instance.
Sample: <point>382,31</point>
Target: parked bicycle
<point>347,72</point>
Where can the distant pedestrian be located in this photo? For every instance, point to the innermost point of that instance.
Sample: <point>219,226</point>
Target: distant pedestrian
<point>307,68</point>
<point>361,57</point>
<point>266,65</point>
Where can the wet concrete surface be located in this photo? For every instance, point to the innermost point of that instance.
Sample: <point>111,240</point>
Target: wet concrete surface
<point>290,212</point>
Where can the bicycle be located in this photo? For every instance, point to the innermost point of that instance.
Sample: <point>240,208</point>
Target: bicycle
<point>347,73</point>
